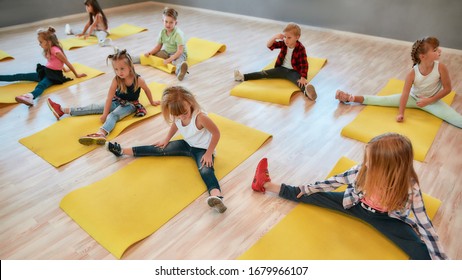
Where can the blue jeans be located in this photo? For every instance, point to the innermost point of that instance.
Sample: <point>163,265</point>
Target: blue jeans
<point>177,62</point>
<point>181,148</point>
<point>118,112</point>
<point>276,73</point>
<point>396,230</point>
<point>33,77</point>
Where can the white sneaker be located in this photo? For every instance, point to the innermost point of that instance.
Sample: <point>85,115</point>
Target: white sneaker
<point>238,77</point>
<point>106,43</point>
<point>68,29</point>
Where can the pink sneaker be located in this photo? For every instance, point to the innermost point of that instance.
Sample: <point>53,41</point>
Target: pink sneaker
<point>25,99</point>
<point>55,109</point>
<point>261,176</point>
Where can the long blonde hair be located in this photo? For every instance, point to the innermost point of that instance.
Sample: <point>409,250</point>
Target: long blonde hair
<point>421,46</point>
<point>173,102</point>
<point>49,35</point>
<point>125,56</point>
<point>388,171</point>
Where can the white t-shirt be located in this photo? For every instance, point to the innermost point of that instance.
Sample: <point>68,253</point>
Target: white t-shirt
<point>287,63</point>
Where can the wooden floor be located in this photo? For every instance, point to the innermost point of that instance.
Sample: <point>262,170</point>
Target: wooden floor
<point>306,139</point>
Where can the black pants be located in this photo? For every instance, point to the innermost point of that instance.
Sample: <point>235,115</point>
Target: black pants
<point>396,230</point>
<point>276,73</point>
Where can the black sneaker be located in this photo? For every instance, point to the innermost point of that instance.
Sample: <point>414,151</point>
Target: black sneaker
<point>115,149</point>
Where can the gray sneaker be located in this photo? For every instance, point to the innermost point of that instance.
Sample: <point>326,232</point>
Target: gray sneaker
<point>183,71</point>
<point>310,92</point>
<point>238,77</point>
<point>216,203</point>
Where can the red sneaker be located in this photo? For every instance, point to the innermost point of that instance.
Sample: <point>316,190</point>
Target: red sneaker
<point>55,109</point>
<point>261,176</point>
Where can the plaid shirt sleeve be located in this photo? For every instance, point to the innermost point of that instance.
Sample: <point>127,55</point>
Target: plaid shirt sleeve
<point>279,45</point>
<point>300,60</point>
<point>424,225</point>
<point>346,178</point>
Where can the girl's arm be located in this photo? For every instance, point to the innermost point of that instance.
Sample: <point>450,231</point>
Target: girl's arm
<point>405,95</point>
<point>97,20</point>
<point>332,183</point>
<point>273,39</point>
<point>154,50</point>
<point>107,105</point>
<point>84,29</point>
<point>425,226</point>
<point>445,90</point>
<point>147,91</point>
<point>171,132</point>
<point>176,55</point>
<point>64,59</point>
<point>204,121</point>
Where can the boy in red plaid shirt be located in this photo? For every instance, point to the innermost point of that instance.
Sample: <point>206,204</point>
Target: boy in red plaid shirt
<point>291,64</point>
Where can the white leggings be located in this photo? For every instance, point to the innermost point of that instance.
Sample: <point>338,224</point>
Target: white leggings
<point>438,109</point>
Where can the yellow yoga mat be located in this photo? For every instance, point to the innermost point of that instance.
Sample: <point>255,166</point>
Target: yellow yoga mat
<point>58,144</point>
<point>198,51</point>
<point>313,233</point>
<point>138,199</point>
<point>10,91</point>
<point>420,126</point>
<point>5,56</point>
<point>114,33</point>
<point>277,91</point>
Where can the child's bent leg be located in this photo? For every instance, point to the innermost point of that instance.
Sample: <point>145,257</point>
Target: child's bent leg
<point>181,66</point>
<point>116,115</point>
<point>444,112</point>
<point>101,35</point>
<point>207,173</point>
<point>162,54</point>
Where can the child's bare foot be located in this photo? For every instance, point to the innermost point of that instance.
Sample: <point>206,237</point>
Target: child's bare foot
<point>343,96</point>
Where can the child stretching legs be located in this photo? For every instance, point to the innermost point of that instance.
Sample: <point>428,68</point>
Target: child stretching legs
<point>427,83</point>
<point>382,191</point>
<point>121,101</point>
<point>200,134</point>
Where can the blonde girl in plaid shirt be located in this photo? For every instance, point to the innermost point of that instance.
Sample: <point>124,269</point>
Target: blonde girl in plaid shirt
<point>382,191</point>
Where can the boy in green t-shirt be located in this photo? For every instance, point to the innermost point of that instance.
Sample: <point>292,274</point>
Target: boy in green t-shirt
<point>171,44</point>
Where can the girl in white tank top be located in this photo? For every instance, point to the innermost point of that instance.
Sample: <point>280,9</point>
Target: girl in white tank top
<point>427,83</point>
<point>200,138</point>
